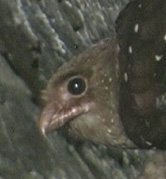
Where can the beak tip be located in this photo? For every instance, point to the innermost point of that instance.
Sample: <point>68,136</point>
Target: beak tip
<point>41,128</point>
<point>43,131</point>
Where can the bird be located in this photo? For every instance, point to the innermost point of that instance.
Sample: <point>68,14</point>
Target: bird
<point>82,97</point>
<point>114,93</point>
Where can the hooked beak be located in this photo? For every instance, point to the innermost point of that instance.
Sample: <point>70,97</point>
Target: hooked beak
<point>45,120</point>
<point>54,116</point>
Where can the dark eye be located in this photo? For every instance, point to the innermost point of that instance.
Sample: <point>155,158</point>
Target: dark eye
<point>76,86</point>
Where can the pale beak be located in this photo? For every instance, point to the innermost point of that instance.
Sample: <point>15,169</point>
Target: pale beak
<point>45,120</point>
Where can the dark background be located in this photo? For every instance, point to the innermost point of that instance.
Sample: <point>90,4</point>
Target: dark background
<point>36,37</point>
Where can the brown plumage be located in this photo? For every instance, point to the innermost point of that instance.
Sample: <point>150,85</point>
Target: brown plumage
<point>82,97</point>
<point>103,95</point>
<point>141,30</point>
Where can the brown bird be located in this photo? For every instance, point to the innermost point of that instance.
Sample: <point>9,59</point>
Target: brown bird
<point>102,95</point>
<point>82,97</point>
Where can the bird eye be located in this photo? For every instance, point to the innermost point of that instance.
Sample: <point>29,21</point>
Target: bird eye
<point>76,85</point>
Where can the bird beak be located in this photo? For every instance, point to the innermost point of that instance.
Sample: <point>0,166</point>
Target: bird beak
<point>55,116</point>
<point>44,122</point>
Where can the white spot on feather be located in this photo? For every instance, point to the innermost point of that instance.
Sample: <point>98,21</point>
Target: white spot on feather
<point>106,88</point>
<point>136,27</point>
<point>148,143</point>
<point>140,6</point>
<point>130,49</point>
<point>110,79</point>
<point>126,77</point>
<point>158,57</point>
<point>112,121</point>
<point>109,130</point>
<point>165,37</point>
